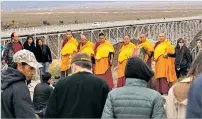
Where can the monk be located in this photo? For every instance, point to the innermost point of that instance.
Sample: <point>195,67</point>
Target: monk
<point>69,48</point>
<point>164,65</point>
<point>125,52</point>
<point>147,45</point>
<point>104,53</point>
<point>86,46</point>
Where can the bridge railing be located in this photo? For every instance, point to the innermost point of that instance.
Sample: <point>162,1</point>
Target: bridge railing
<point>61,28</point>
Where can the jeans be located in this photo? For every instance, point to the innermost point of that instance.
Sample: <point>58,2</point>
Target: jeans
<point>43,69</point>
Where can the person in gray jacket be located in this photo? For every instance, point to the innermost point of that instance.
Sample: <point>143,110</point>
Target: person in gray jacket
<point>135,100</point>
<point>197,48</point>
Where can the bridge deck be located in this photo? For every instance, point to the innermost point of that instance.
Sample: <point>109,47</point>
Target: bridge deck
<point>88,26</point>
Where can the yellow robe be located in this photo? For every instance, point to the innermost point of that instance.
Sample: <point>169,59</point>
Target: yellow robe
<point>147,45</point>
<point>124,53</point>
<point>102,60</point>
<point>67,52</point>
<point>88,48</point>
<point>164,67</point>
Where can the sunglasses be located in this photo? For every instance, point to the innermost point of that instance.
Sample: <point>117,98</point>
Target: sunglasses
<point>181,42</point>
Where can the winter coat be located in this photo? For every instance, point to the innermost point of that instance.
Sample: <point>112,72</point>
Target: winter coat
<point>42,93</point>
<point>176,101</point>
<point>15,96</point>
<point>9,52</point>
<point>183,58</point>
<point>31,48</point>
<point>134,100</point>
<point>43,54</point>
<point>194,108</point>
<point>195,51</point>
<point>81,95</point>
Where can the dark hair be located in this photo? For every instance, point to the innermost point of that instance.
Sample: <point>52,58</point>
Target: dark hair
<point>14,65</point>
<point>26,42</point>
<point>101,34</point>
<point>37,42</point>
<point>196,67</point>
<point>178,41</point>
<point>137,68</point>
<point>84,64</point>
<point>12,35</point>
<point>69,31</point>
<point>46,76</point>
<point>198,40</point>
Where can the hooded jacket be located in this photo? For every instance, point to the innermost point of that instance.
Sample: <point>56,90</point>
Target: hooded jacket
<point>135,100</point>
<point>15,96</point>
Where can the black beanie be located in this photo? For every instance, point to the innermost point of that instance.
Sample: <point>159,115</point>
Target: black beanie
<point>137,68</point>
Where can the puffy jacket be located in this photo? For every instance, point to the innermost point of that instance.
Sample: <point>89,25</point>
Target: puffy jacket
<point>134,100</point>
<point>15,96</point>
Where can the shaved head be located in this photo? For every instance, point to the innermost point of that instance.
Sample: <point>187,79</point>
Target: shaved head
<point>83,38</point>
<point>142,37</point>
<point>162,36</point>
<point>126,39</point>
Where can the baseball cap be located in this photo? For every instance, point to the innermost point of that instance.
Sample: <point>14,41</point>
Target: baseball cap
<point>81,57</point>
<point>27,57</point>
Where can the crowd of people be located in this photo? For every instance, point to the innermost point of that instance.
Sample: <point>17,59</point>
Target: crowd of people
<point>86,88</point>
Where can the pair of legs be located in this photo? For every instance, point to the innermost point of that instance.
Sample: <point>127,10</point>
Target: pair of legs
<point>162,85</point>
<point>107,76</point>
<point>43,69</point>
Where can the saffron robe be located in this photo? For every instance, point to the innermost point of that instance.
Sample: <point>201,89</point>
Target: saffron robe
<point>67,52</point>
<point>164,67</point>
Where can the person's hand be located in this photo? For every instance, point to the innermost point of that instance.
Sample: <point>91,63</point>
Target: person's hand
<point>3,62</point>
<point>111,62</point>
<point>165,55</point>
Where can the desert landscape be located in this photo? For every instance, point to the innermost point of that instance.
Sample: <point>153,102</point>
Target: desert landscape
<point>97,12</point>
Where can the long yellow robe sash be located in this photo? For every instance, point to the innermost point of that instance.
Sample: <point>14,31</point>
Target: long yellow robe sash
<point>163,48</point>
<point>164,67</point>
<point>67,52</point>
<point>124,53</point>
<point>87,48</point>
<point>102,60</point>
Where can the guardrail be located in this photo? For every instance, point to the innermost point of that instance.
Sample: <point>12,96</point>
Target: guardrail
<point>85,26</point>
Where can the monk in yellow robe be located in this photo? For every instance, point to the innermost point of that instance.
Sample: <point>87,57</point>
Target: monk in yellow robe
<point>86,46</point>
<point>164,65</point>
<point>69,48</point>
<point>125,52</point>
<point>147,45</point>
<point>104,51</point>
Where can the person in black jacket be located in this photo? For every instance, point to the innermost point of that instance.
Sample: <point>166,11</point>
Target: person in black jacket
<point>30,45</point>
<point>80,95</point>
<point>15,96</point>
<point>43,56</point>
<point>42,92</point>
<point>183,58</point>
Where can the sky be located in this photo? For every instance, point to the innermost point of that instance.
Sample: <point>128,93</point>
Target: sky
<point>12,5</point>
<point>8,5</point>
